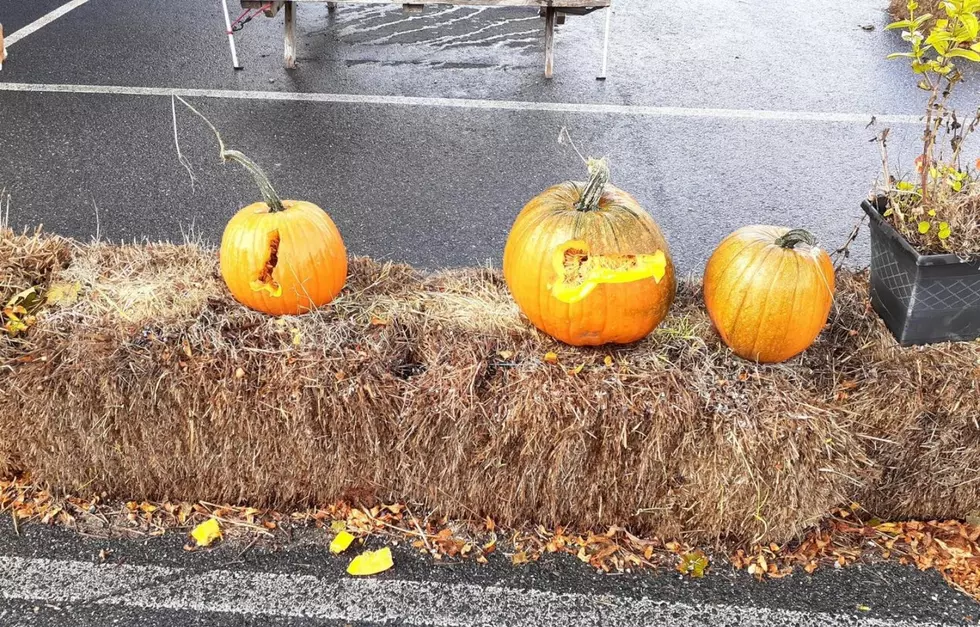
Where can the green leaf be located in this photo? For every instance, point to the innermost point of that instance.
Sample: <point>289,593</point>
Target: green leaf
<point>922,19</point>
<point>905,186</point>
<point>944,230</point>
<point>693,563</point>
<point>899,24</point>
<point>968,29</point>
<point>972,55</point>
<point>939,40</point>
<point>896,55</point>
<point>924,227</point>
<point>956,185</point>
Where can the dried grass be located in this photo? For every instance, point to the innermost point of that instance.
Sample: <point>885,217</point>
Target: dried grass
<point>898,9</point>
<point>155,385</point>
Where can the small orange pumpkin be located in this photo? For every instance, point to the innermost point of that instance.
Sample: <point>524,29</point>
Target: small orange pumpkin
<point>768,290</point>
<point>281,257</point>
<point>587,265</point>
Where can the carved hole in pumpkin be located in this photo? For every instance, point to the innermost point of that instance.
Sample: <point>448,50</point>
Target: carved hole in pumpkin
<point>579,265</point>
<point>575,264</point>
<point>265,281</point>
<point>579,272</point>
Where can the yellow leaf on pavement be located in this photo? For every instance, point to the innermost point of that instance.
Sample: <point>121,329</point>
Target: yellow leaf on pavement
<point>371,563</point>
<point>340,543</point>
<point>207,532</point>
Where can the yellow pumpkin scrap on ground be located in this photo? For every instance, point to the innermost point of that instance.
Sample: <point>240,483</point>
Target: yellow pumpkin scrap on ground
<point>587,265</point>
<point>371,563</point>
<point>768,290</point>
<point>341,542</point>
<point>207,532</point>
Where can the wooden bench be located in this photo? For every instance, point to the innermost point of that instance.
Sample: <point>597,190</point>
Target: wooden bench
<point>552,10</point>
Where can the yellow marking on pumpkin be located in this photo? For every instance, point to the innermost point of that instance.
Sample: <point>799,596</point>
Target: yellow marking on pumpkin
<point>580,272</point>
<point>265,282</point>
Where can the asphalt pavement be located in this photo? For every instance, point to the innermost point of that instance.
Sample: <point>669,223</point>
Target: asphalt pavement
<point>58,577</point>
<point>714,116</point>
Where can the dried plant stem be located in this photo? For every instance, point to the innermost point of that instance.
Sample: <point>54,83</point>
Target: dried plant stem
<point>269,194</point>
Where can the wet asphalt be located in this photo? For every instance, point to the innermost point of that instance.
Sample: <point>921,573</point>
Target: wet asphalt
<point>440,187</point>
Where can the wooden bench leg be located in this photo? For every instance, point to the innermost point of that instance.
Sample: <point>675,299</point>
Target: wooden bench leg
<point>549,41</point>
<point>290,41</point>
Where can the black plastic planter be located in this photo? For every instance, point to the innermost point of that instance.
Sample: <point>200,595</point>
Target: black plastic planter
<point>922,298</point>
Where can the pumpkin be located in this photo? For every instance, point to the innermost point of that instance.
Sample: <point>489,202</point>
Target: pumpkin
<point>281,257</point>
<point>587,265</point>
<point>769,290</point>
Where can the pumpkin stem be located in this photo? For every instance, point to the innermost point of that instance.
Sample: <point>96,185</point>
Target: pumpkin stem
<point>268,192</point>
<point>598,178</point>
<point>796,236</point>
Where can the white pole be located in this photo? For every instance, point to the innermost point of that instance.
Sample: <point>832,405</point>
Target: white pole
<point>231,37</point>
<point>605,45</point>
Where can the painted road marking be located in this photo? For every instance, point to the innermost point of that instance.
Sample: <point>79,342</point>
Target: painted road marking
<point>468,103</point>
<point>41,22</point>
<point>250,593</point>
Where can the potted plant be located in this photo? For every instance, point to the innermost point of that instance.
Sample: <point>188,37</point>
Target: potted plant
<point>925,228</point>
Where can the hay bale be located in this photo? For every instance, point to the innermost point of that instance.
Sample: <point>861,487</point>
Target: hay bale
<point>154,384</point>
<point>26,260</point>
<point>917,410</point>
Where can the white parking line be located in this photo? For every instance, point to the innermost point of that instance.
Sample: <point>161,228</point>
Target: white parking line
<point>41,22</point>
<point>250,593</point>
<point>469,103</point>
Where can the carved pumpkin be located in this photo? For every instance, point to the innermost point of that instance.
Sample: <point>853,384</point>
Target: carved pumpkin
<point>769,290</point>
<point>587,265</point>
<point>281,256</point>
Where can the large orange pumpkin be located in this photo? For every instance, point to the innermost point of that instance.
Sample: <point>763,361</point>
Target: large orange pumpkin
<point>587,265</point>
<point>768,290</point>
<point>281,256</point>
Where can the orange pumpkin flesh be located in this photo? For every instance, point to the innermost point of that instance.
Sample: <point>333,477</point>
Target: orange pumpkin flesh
<point>587,265</point>
<point>284,262</point>
<point>769,291</point>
